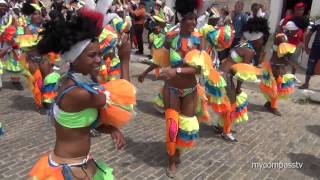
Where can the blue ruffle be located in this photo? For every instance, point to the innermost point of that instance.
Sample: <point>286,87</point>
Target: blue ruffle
<point>211,36</point>
<point>111,45</point>
<point>215,91</point>
<point>242,106</point>
<point>288,84</point>
<point>119,26</point>
<point>176,63</point>
<point>187,136</point>
<point>112,68</point>
<point>195,40</point>
<point>266,76</point>
<point>49,87</point>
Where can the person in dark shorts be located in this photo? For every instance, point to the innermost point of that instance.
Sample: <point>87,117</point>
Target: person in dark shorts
<point>314,53</point>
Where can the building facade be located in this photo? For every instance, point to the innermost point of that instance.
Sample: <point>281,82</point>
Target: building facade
<point>276,8</point>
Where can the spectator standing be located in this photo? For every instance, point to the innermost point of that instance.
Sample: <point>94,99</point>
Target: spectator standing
<point>138,24</point>
<point>239,19</point>
<point>314,53</point>
<point>298,18</point>
<point>225,17</point>
<point>256,10</point>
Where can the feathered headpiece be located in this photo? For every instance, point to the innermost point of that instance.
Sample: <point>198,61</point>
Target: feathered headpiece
<point>29,8</point>
<point>95,12</point>
<point>186,7</point>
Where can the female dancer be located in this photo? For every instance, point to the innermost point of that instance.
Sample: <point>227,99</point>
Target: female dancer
<point>276,82</point>
<point>36,66</point>
<point>232,102</point>
<point>157,41</point>
<point>11,57</point>
<point>76,108</point>
<point>109,39</point>
<point>40,74</point>
<point>217,38</point>
<point>33,13</point>
<point>180,89</point>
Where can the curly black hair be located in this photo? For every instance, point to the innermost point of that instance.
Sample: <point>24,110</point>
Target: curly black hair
<point>185,7</point>
<point>27,9</point>
<point>302,22</point>
<point>60,35</point>
<point>258,24</point>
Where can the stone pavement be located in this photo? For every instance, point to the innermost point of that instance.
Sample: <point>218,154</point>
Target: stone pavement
<point>264,139</point>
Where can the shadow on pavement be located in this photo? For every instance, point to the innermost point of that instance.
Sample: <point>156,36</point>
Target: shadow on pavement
<point>147,107</point>
<point>315,129</point>
<point>256,108</point>
<point>311,164</point>
<point>150,77</point>
<point>152,153</point>
<point>207,131</point>
<point>22,103</point>
<point>8,85</point>
<point>315,90</point>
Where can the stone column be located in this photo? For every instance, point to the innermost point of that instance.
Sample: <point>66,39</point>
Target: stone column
<point>315,8</point>
<point>275,14</point>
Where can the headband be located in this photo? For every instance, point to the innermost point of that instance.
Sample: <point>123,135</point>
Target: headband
<point>252,36</point>
<point>75,51</point>
<point>299,5</point>
<point>93,11</point>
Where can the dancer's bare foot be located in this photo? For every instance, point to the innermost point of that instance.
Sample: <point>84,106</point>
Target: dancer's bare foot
<point>172,169</point>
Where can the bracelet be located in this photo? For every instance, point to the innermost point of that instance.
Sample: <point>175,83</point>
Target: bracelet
<point>179,70</point>
<point>108,99</point>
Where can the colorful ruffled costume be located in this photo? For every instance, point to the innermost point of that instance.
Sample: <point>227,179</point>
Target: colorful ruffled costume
<point>217,39</point>
<point>46,168</point>
<point>11,59</point>
<point>117,112</point>
<point>221,38</point>
<point>160,57</point>
<point>181,130</point>
<point>281,87</point>
<point>232,112</point>
<point>108,40</point>
<point>43,88</point>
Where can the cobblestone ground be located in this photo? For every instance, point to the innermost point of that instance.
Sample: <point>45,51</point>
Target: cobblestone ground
<point>295,137</point>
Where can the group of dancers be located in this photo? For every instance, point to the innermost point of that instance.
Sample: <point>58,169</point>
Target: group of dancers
<point>96,93</point>
<point>183,53</point>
